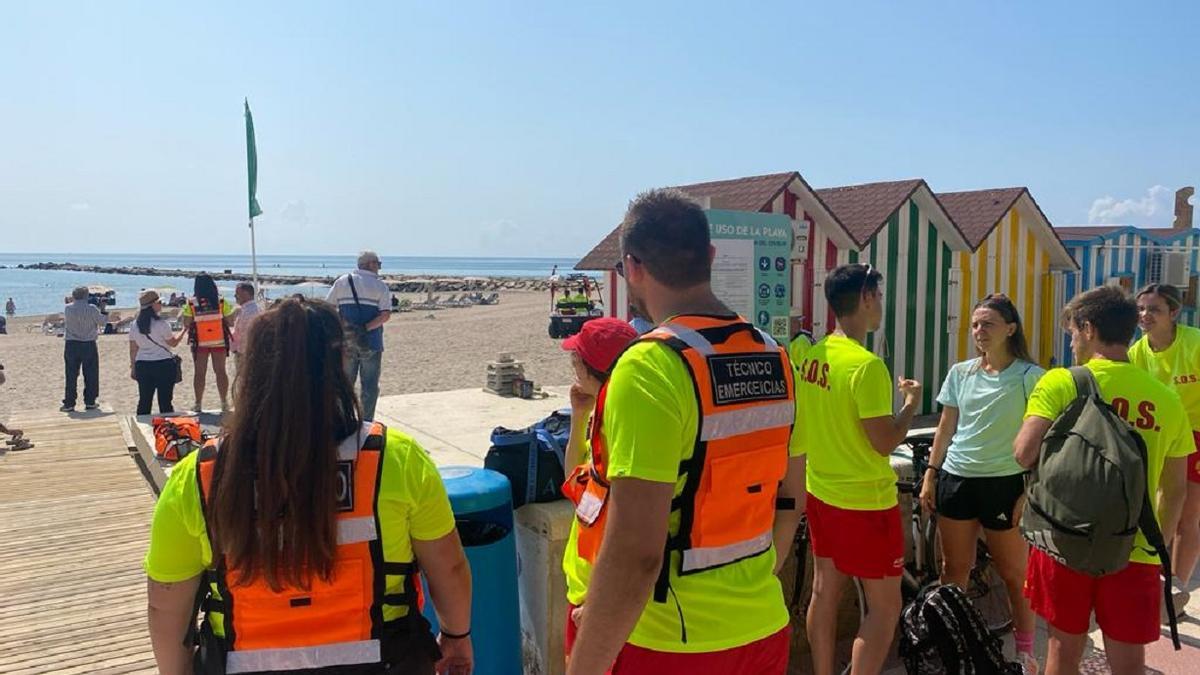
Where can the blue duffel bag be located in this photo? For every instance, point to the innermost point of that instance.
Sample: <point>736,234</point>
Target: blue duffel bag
<point>532,458</point>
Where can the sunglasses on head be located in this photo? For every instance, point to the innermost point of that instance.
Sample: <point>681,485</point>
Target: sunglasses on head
<point>620,266</point>
<point>866,279</point>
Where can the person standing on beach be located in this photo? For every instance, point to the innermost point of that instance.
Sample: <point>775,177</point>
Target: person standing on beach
<point>10,307</point>
<point>846,394</point>
<point>207,319</point>
<point>82,322</point>
<point>246,311</point>
<point>683,567</point>
<point>151,362</point>
<point>365,304</point>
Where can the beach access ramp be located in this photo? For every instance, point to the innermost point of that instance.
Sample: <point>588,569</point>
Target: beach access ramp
<point>75,515</point>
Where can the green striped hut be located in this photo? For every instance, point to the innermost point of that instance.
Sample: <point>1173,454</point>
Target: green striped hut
<point>902,229</point>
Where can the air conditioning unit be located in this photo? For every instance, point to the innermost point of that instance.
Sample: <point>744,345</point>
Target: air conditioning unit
<point>1174,270</point>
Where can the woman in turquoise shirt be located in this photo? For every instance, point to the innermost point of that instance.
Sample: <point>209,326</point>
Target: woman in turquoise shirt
<point>973,480</point>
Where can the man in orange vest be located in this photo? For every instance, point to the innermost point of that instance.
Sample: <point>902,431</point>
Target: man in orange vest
<point>691,455</point>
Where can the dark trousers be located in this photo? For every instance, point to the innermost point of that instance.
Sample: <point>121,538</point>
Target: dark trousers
<point>81,355</point>
<point>155,377</point>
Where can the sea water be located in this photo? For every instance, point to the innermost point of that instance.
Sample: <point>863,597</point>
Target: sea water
<point>42,291</point>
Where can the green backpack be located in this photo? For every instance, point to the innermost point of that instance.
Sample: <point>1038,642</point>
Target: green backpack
<point>1087,497</point>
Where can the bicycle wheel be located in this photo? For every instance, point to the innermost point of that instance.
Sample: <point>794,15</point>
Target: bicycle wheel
<point>989,593</point>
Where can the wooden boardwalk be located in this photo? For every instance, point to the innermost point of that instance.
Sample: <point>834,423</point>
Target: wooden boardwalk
<point>74,523</point>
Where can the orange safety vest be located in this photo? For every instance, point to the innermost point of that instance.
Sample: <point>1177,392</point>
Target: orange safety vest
<point>745,396</point>
<point>336,623</point>
<point>208,327</point>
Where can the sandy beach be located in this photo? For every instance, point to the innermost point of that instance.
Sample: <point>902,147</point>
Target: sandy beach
<point>424,351</point>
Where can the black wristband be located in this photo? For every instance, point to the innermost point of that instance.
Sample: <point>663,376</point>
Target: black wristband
<point>455,636</point>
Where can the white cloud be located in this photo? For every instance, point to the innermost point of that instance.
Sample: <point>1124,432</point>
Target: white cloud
<point>1155,209</point>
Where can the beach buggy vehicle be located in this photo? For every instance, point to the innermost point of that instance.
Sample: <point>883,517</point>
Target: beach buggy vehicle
<point>574,300</point>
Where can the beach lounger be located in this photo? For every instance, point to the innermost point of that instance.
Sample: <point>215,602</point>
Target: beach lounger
<point>53,324</point>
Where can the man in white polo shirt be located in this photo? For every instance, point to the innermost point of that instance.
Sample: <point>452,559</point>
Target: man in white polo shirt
<point>365,304</point>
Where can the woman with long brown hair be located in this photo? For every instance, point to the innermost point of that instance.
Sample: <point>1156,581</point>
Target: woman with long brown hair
<point>301,532</point>
<point>973,481</point>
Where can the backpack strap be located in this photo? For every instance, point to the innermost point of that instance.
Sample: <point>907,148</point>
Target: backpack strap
<point>1148,524</point>
<point>1085,382</point>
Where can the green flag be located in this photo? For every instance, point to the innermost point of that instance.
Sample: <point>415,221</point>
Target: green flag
<point>251,163</point>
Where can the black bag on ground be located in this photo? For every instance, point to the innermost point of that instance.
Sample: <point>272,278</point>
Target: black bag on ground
<point>942,632</point>
<point>532,458</point>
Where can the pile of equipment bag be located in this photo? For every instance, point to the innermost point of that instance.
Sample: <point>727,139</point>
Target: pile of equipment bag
<point>532,458</point>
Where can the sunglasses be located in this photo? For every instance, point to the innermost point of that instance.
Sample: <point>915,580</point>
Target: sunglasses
<point>866,279</point>
<point>620,266</point>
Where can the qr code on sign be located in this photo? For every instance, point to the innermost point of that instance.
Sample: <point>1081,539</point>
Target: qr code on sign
<point>779,325</point>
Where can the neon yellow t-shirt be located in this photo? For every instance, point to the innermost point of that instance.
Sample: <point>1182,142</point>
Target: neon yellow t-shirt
<point>650,425</point>
<point>412,504</point>
<point>839,384</point>
<point>1151,407</point>
<point>226,308</point>
<point>1177,365</point>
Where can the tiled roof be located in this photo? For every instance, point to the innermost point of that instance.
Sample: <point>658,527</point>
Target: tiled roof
<point>863,209</point>
<point>603,256</point>
<point>738,194</point>
<point>741,194</point>
<point>977,212</point>
<point>1077,231</point>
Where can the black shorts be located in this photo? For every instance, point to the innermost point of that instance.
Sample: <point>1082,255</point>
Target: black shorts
<point>992,501</point>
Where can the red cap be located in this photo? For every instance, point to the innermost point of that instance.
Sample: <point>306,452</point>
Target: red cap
<point>601,341</point>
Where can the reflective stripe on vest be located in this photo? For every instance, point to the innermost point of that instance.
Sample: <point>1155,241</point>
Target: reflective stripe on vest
<point>746,408</point>
<point>356,530</point>
<point>722,425</point>
<point>335,622</point>
<point>295,658</point>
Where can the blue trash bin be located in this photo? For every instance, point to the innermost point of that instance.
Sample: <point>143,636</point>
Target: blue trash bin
<point>482,504</point>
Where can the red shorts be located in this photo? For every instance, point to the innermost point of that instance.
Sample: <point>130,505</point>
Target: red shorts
<point>1193,460</point>
<point>864,544</point>
<point>210,350</point>
<point>1126,603</point>
<point>768,656</point>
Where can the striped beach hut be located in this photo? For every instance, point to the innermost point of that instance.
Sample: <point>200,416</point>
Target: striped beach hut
<point>1015,251</point>
<point>904,231</point>
<point>1131,257</point>
<point>898,227</point>
<point>786,192</point>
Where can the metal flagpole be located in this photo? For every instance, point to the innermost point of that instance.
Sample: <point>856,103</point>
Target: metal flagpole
<point>254,259</point>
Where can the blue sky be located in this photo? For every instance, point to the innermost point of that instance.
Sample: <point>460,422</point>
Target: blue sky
<point>523,128</point>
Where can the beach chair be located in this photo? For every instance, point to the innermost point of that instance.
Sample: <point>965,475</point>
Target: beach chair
<point>492,299</point>
<point>432,303</point>
<point>53,324</point>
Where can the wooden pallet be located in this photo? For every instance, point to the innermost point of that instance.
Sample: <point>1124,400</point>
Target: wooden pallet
<point>74,524</point>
